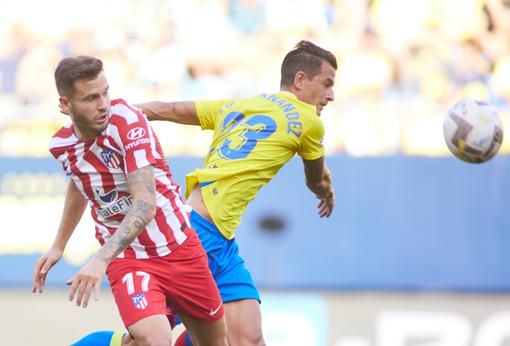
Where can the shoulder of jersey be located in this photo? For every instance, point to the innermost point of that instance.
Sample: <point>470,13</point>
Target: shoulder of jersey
<point>120,109</point>
<point>63,137</point>
<point>65,131</point>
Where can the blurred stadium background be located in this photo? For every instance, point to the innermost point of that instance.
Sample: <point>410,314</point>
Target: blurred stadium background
<point>416,252</point>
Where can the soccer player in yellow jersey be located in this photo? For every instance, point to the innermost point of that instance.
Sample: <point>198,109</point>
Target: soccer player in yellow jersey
<point>253,138</point>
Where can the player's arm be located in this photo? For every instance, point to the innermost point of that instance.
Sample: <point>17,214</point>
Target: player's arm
<point>74,206</point>
<point>142,188</point>
<point>318,180</point>
<point>183,112</point>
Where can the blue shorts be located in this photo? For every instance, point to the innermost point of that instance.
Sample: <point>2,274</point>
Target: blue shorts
<point>227,267</point>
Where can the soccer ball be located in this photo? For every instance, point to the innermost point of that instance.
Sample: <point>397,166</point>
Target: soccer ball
<point>473,131</point>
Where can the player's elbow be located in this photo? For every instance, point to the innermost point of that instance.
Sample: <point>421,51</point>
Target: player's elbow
<point>146,209</point>
<point>151,213</point>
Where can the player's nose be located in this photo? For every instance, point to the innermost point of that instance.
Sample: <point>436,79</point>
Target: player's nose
<point>103,103</point>
<point>330,95</point>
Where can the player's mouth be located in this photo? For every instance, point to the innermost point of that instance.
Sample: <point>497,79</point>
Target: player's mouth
<point>102,118</point>
<point>320,106</point>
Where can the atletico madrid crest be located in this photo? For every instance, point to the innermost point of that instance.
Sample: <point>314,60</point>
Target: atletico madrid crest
<point>139,301</point>
<point>110,159</point>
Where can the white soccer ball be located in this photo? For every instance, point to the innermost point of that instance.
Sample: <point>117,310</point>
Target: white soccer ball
<point>473,131</point>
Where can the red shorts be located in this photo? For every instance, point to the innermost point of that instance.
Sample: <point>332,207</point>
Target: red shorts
<point>180,281</point>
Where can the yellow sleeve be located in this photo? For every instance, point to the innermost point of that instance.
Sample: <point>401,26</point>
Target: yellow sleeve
<point>116,339</point>
<point>311,147</point>
<point>208,112</point>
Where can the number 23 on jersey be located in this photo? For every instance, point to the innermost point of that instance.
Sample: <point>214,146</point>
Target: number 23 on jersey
<point>250,131</point>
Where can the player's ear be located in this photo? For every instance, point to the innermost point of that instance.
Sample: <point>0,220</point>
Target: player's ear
<point>299,77</point>
<point>64,105</point>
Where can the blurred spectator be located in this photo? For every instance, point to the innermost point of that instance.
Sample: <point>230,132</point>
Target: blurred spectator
<point>366,71</point>
<point>402,63</point>
<point>247,15</point>
<point>13,47</point>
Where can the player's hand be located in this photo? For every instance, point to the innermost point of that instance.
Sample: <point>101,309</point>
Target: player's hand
<point>43,266</point>
<point>87,279</point>
<point>326,205</point>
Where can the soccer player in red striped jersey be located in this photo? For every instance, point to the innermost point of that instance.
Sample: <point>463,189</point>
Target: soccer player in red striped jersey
<point>238,165</point>
<point>149,252</point>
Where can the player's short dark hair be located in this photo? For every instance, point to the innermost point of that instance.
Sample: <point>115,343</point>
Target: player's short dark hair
<point>306,57</point>
<point>71,69</point>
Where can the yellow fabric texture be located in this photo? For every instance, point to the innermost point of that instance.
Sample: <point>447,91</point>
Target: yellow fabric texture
<point>253,138</point>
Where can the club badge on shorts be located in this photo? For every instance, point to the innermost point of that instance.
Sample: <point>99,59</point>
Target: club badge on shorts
<point>139,301</point>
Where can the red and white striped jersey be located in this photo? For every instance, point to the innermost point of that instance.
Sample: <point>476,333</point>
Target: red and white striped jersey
<point>99,168</point>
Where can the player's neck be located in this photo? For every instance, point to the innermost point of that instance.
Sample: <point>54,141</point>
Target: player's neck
<point>84,134</point>
<point>290,90</point>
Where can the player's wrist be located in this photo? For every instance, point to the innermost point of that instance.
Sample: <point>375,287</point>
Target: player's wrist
<point>103,258</point>
<point>327,194</point>
<point>59,245</point>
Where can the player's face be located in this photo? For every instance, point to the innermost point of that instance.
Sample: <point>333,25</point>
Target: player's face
<point>89,106</point>
<point>318,91</point>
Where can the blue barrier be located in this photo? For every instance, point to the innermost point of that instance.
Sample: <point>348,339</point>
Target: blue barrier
<point>399,223</point>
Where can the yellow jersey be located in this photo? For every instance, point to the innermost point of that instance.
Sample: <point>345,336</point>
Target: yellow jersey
<point>253,138</point>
